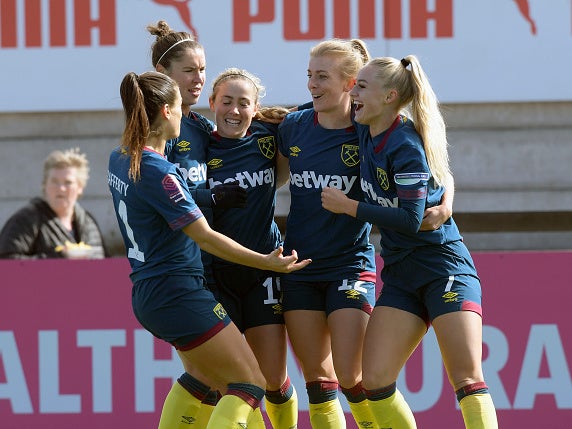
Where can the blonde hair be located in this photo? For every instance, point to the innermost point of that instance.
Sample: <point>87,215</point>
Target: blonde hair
<point>352,53</point>
<point>65,159</point>
<point>407,77</point>
<point>236,73</point>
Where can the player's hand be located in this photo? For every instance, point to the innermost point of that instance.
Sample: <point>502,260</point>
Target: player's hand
<point>434,217</point>
<point>228,195</point>
<point>336,201</point>
<point>285,264</point>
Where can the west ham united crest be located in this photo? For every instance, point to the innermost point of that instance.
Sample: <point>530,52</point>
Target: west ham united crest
<point>350,155</point>
<point>267,146</point>
<point>382,179</point>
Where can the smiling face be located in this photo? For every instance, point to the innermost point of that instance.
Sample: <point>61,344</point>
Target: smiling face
<point>374,103</point>
<point>234,103</point>
<point>328,88</point>
<point>189,71</point>
<point>62,190</point>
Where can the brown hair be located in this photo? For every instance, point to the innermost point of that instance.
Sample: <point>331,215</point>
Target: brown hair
<point>143,97</point>
<point>169,45</point>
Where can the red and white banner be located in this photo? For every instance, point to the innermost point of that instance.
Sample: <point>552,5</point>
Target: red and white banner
<point>72,354</point>
<point>63,55</point>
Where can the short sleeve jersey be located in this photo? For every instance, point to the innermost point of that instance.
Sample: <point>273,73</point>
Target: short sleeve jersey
<point>388,161</point>
<point>251,162</point>
<point>151,213</point>
<point>337,244</point>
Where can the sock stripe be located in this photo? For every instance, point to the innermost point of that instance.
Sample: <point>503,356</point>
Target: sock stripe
<point>322,391</point>
<point>281,395</point>
<point>381,393</point>
<point>354,394</point>
<point>472,389</point>
<point>249,393</point>
<point>195,387</point>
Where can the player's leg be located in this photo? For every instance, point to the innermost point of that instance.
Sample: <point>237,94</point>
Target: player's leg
<point>265,332</point>
<point>460,340</point>
<point>179,310</point>
<point>349,304</point>
<point>454,305</point>
<point>347,327</point>
<point>269,344</point>
<point>227,359</point>
<point>391,337</point>
<point>185,401</point>
<point>310,338</point>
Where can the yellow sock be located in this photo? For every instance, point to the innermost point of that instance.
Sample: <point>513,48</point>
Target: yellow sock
<point>203,416</point>
<point>479,411</point>
<point>362,414</point>
<point>393,412</point>
<point>255,420</point>
<point>180,409</point>
<point>283,416</point>
<point>231,412</point>
<point>327,415</point>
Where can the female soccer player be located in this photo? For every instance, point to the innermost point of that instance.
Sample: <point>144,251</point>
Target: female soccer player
<point>163,230</point>
<point>428,276</point>
<point>178,55</point>
<point>327,304</point>
<point>244,151</point>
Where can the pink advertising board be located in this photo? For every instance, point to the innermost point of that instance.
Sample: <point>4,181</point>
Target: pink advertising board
<point>72,354</point>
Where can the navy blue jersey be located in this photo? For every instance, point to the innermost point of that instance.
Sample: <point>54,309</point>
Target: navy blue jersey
<point>337,244</point>
<point>398,187</point>
<point>251,162</point>
<point>151,214</point>
<point>189,152</point>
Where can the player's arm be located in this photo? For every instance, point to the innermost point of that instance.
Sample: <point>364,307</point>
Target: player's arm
<point>224,247</point>
<point>435,216</point>
<point>406,218</point>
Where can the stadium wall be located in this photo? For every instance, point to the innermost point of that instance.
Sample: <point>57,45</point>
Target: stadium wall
<point>510,161</point>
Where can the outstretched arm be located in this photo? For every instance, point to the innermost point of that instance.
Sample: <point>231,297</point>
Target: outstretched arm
<point>224,247</point>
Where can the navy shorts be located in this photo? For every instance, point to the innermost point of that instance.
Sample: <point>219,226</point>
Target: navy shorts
<point>328,296</point>
<point>251,297</point>
<point>432,281</point>
<point>178,309</point>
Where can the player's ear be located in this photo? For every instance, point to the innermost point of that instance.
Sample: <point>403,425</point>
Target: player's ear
<point>349,86</point>
<point>391,96</point>
<point>166,111</point>
<point>255,110</point>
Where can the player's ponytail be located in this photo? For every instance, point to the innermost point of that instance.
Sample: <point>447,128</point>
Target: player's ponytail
<point>143,97</point>
<point>407,77</point>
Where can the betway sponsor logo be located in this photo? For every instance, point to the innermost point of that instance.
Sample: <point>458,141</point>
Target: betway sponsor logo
<point>311,180</point>
<point>382,201</point>
<point>246,179</point>
<point>194,174</point>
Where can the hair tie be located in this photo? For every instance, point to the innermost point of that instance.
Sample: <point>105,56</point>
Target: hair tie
<point>405,62</point>
<point>171,47</point>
